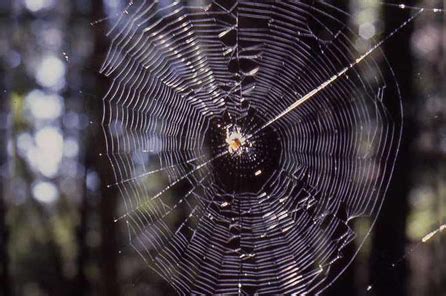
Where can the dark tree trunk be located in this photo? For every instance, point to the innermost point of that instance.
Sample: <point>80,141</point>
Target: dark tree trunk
<point>5,287</point>
<point>81,284</point>
<point>4,257</point>
<point>107,210</point>
<point>387,271</point>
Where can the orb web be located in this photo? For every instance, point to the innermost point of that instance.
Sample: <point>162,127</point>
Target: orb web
<point>245,137</point>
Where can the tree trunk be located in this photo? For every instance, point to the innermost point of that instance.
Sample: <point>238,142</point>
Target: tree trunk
<point>5,287</point>
<point>82,284</point>
<point>4,233</point>
<point>387,271</point>
<point>108,260</point>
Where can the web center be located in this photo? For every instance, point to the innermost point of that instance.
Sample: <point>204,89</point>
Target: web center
<point>243,160</point>
<point>236,141</point>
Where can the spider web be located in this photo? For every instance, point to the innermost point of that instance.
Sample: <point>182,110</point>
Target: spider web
<point>317,127</point>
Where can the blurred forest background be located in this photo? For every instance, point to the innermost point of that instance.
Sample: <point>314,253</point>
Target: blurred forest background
<point>57,235</point>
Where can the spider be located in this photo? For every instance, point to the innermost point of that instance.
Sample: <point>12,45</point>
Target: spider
<point>235,140</point>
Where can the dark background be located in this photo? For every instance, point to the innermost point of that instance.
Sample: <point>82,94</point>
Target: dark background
<point>57,235</point>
